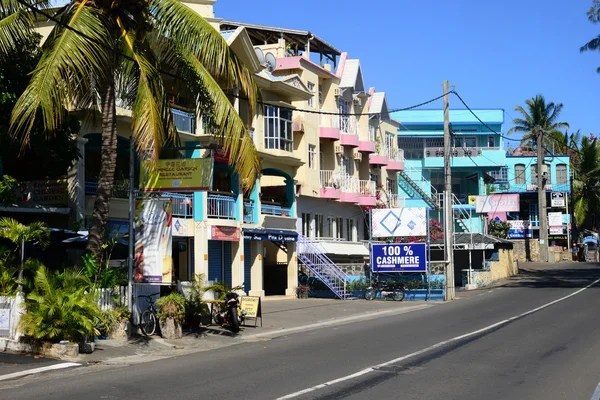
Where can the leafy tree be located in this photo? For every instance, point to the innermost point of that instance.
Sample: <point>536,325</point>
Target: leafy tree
<point>499,229</point>
<point>20,234</point>
<point>538,115</point>
<point>594,17</point>
<point>586,185</point>
<point>111,51</point>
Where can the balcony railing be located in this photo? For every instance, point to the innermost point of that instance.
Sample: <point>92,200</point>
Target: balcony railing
<point>431,152</point>
<point>330,179</point>
<point>348,125</point>
<point>500,174</point>
<point>349,184</point>
<point>367,188</point>
<point>275,209</point>
<point>221,206</point>
<point>397,201</point>
<point>393,154</point>
<point>249,212</point>
<point>372,134</point>
<point>182,204</point>
<point>184,121</point>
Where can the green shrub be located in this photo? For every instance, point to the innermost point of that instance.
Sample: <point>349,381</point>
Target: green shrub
<point>358,284</point>
<point>60,306</point>
<point>194,305</point>
<point>171,306</point>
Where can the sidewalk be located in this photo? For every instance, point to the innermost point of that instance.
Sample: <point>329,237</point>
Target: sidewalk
<point>281,316</point>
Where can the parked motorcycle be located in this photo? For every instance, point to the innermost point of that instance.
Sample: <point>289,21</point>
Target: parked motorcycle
<point>231,314</point>
<point>388,290</point>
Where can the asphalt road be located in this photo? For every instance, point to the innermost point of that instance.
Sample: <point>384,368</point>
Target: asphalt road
<point>485,346</point>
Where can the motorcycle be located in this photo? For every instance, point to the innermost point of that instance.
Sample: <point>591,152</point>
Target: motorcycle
<point>388,290</point>
<point>231,314</point>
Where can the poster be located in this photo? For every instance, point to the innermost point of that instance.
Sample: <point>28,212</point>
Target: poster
<point>399,222</point>
<point>520,230</point>
<point>555,219</point>
<point>495,203</point>
<point>153,261</point>
<point>180,175</point>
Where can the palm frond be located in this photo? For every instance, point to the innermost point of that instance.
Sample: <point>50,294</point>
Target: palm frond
<point>592,45</point>
<point>64,71</point>
<point>13,29</point>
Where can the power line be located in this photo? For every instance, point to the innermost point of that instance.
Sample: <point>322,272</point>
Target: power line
<point>172,75</point>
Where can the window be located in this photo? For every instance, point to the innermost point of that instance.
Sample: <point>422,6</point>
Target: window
<point>389,144</point>
<point>391,186</point>
<point>306,224</point>
<point>339,227</point>
<point>346,166</point>
<point>350,230</point>
<point>491,141</point>
<point>321,160</point>
<point>520,174</point>
<point>321,98</point>
<point>312,155</point>
<point>561,174</point>
<point>311,88</point>
<point>330,227</point>
<point>465,141</point>
<point>278,128</point>
<point>374,178</point>
<point>319,231</point>
<point>533,170</point>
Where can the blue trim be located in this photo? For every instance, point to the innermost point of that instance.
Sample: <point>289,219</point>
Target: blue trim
<point>270,234</point>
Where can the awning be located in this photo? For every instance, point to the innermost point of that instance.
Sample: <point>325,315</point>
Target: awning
<point>345,248</point>
<point>274,235</point>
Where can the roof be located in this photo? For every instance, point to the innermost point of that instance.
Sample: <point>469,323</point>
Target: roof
<point>295,62</point>
<point>474,240</point>
<point>227,34</point>
<point>489,116</point>
<point>352,76</point>
<point>378,103</point>
<point>345,248</point>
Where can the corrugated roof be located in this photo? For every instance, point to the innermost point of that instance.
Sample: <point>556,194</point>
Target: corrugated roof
<point>377,100</point>
<point>350,74</point>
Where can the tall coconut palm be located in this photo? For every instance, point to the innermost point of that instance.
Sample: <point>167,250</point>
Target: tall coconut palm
<point>538,115</point>
<point>594,17</point>
<point>586,185</point>
<point>103,51</point>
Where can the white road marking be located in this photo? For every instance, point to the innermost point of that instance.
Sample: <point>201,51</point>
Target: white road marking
<point>440,344</point>
<point>37,371</point>
<point>596,395</point>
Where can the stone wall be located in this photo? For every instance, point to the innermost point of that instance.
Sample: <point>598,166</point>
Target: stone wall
<point>526,249</point>
<point>506,266</point>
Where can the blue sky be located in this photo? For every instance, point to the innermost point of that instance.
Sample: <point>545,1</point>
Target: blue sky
<point>497,54</point>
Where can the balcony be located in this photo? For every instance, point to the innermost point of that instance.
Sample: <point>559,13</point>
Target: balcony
<point>330,127</point>
<point>367,193</point>
<point>182,204</point>
<point>184,121</point>
<point>349,132</point>
<point>275,209</point>
<point>397,201</point>
<point>378,159</point>
<point>249,207</point>
<point>395,160</point>
<point>330,185</point>
<point>221,206</point>
<point>350,189</point>
<point>527,188</point>
<point>464,157</point>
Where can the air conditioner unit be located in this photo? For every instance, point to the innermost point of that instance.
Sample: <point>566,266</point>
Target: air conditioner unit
<point>339,149</point>
<point>357,156</point>
<point>336,92</point>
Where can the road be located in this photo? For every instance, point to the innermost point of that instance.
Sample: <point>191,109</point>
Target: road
<point>535,337</point>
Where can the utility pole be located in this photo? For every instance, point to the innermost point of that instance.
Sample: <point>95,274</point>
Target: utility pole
<point>542,211</point>
<point>448,215</point>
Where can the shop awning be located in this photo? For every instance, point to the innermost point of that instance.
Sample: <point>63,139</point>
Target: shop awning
<point>345,248</point>
<point>274,235</point>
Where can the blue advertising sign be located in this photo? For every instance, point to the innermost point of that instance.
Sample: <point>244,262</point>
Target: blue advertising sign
<point>399,257</point>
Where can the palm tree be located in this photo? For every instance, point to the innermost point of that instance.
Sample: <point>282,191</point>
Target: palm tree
<point>539,115</point>
<point>594,17</point>
<point>586,185</point>
<point>103,51</point>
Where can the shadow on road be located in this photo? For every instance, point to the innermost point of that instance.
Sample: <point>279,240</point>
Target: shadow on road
<point>572,275</point>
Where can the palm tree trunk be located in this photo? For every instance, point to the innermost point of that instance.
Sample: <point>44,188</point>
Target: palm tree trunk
<point>107,169</point>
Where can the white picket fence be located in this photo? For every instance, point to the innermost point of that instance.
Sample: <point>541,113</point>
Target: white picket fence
<point>110,299</point>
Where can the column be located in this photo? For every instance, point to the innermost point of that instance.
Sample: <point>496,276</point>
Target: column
<point>290,186</point>
<point>237,263</point>
<point>256,271</point>
<point>201,248</point>
<point>481,185</point>
<point>292,270</point>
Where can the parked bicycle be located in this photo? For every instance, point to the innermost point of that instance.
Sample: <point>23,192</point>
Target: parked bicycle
<point>148,318</point>
<point>387,290</point>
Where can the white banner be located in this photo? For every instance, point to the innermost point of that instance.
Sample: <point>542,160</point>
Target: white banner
<point>555,219</point>
<point>153,261</point>
<point>557,199</point>
<point>398,222</point>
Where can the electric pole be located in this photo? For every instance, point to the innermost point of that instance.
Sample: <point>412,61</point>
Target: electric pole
<point>448,215</point>
<point>542,212</point>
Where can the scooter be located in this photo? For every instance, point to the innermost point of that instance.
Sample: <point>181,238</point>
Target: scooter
<point>232,316</point>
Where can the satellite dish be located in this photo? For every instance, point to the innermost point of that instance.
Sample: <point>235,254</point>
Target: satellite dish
<point>260,55</point>
<point>271,62</point>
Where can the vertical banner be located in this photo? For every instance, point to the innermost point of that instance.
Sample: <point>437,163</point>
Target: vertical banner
<point>153,262</point>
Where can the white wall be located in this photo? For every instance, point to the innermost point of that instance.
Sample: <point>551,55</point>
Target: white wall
<point>330,208</point>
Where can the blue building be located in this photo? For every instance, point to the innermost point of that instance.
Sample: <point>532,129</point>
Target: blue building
<point>478,156</point>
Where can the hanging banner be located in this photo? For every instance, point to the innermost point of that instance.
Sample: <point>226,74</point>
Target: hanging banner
<point>153,262</point>
<point>181,175</point>
<point>495,203</point>
<point>520,230</point>
<point>399,222</point>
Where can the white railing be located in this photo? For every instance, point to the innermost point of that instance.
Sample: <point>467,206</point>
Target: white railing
<point>348,125</point>
<point>372,134</point>
<point>330,179</point>
<point>394,154</point>
<point>397,201</point>
<point>367,187</point>
<point>430,152</point>
<point>110,299</point>
<point>349,184</point>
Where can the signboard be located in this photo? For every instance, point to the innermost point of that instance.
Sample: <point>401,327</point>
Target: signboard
<point>557,199</point>
<point>180,227</point>
<point>496,203</point>
<point>227,233</point>
<point>555,219</point>
<point>183,175</point>
<point>45,193</point>
<point>399,222</point>
<point>153,262</point>
<point>472,200</point>
<point>556,230</point>
<point>520,230</point>
<point>251,305</point>
<point>5,320</point>
<point>272,236</point>
<point>399,257</point>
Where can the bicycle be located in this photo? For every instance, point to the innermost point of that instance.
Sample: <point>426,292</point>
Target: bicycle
<point>148,317</point>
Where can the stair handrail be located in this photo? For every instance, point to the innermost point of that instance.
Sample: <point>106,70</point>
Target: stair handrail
<point>313,257</point>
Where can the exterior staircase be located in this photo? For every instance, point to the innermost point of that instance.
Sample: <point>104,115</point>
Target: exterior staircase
<point>428,199</point>
<point>313,257</point>
<point>459,213</point>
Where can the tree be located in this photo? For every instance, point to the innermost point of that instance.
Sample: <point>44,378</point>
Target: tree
<point>586,185</point>
<point>103,51</point>
<point>539,115</point>
<point>594,17</point>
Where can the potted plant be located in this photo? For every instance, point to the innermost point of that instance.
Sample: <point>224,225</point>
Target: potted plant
<point>113,323</point>
<point>171,314</point>
<point>196,309</point>
<point>302,291</point>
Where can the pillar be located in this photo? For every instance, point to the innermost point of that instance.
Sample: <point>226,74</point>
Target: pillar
<point>201,248</point>
<point>290,192</point>
<point>237,263</point>
<point>292,270</point>
<point>256,271</point>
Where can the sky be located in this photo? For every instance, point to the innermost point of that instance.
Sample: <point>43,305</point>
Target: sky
<point>496,54</point>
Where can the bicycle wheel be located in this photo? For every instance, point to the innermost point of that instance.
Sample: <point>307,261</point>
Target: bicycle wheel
<point>148,323</point>
<point>370,294</point>
<point>398,295</point>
